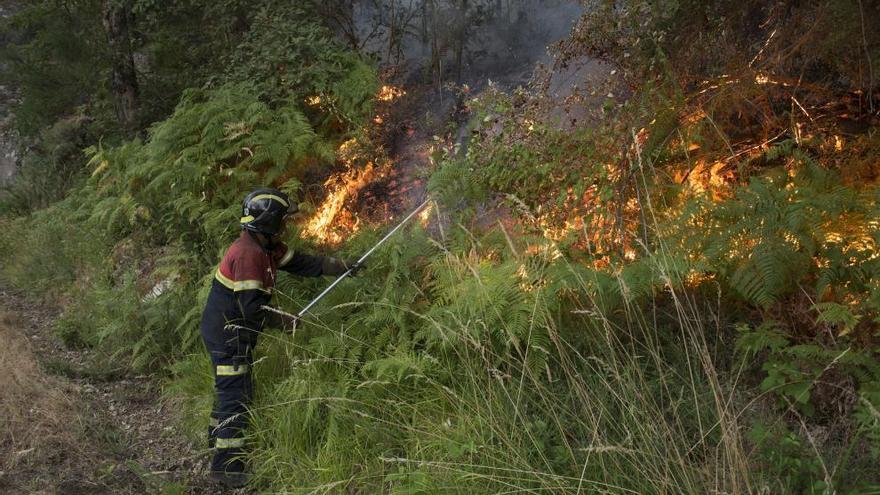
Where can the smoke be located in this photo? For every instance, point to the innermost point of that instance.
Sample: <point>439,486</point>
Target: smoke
<point>506,50</point>
<point>463,41</point>
<point>425,46</point>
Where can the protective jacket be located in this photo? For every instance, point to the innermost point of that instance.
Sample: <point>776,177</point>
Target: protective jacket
<point>232,320</point>
<point>244,281</point>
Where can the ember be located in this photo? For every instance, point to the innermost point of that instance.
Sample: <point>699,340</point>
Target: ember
<point>389,93</point>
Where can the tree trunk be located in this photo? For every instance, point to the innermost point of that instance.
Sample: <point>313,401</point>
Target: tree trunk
<point>461,33</point>
<point>436,61</point>
<point>424,24</point>
<point>392,31</point>
<point>117,17</point>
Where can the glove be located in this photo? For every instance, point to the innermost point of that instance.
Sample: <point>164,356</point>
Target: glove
<point>283,322</point>
<point>354,266</point>
<point>336,267</point>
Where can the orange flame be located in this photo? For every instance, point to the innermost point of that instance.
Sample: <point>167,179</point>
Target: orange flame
<point>389,93</point>
<point>332,221</point>
<point>425,215</point>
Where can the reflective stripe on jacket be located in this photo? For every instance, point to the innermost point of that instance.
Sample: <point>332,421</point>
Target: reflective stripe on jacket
<point>244,281</point>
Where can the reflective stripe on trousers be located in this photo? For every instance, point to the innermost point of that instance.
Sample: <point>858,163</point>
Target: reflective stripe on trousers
<point>231,369</point>
<point>229,443</point>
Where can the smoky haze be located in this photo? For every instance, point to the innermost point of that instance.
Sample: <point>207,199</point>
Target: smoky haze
<point>461,41</point>
<point>427,46</point>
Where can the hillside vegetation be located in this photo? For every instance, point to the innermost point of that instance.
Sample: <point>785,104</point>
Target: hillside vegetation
<point>666,282</point>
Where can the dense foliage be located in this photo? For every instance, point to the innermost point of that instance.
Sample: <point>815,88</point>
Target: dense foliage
<point>679,293</point>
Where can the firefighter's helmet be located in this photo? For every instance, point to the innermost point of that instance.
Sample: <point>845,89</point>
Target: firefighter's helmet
<point>264,210</point>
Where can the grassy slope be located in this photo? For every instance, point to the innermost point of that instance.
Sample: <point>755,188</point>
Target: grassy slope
<point>732,352</point>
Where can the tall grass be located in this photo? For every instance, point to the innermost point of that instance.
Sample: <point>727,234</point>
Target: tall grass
<point>464,363</point>
<point>465,366</point>
<point>624,400</point>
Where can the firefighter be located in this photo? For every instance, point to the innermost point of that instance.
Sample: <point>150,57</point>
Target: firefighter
<point>233,317</point>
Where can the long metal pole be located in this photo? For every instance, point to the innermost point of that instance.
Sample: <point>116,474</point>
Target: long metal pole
<point>320,296</point>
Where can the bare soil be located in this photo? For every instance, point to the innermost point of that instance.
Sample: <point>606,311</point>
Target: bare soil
<point>69,428</point>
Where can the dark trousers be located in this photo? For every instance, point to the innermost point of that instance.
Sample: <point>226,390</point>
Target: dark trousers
<point>231,352</point>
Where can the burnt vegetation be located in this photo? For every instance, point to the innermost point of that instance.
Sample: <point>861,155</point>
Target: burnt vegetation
<point>651,264</point>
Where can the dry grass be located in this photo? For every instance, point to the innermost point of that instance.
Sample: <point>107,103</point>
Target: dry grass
<point>35,413</point>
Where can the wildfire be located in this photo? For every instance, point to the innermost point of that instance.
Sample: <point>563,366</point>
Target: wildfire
<point>549,250</point>
<point>333,221</point>
<point>695,278</point>
<point>390,93</point>
<point>387,93</point>
<point>425,215</point>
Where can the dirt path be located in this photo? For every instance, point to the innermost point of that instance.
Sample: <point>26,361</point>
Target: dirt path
<point>68,428</point>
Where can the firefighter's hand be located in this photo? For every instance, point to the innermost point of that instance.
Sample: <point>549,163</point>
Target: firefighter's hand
<point>288,323</point>
<point>354,266</point>
<point>336,267</point>
<point>283,322</point>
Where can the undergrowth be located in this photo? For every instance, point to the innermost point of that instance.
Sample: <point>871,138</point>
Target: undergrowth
<point>654,306</point>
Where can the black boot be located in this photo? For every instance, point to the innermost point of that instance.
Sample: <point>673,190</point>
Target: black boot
<point>230,479</point>
<point>228,468</point>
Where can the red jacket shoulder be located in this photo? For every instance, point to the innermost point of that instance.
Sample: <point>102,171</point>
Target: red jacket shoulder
<point>244,260</point>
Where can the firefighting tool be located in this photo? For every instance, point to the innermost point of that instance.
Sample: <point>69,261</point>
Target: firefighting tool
<point>348,272</point>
